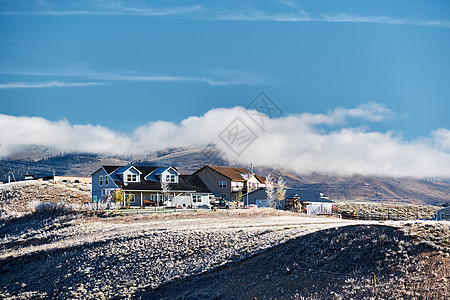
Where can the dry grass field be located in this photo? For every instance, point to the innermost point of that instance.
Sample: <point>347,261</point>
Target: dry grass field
<point>52,249</point>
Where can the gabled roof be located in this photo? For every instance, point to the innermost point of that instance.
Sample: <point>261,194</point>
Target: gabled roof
<point>161,170</point>
<point>157,172</point>
<point>232,173</point>
<point>108,169</point>
<point>245,176</point>
<point>186,183</point>
<point>122,170</point>
<point>260,178</point>
<point>146,170</point>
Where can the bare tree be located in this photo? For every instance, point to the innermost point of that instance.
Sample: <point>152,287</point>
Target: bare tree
<point>106,200</point>
<point>165,189</point>
<point>281,190</point>
<point>270,191</point>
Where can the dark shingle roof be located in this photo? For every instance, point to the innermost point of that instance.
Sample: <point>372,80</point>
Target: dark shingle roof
<point>187,183</point>
<point>110,169</point>
<point>191,183</point>
<point>230,172</point>
<point>145,170</point>
<point>196,182</point>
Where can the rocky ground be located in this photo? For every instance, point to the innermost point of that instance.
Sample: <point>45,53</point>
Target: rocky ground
<point>63,252</point>
<point>351,262</point>
<point>389,211</point>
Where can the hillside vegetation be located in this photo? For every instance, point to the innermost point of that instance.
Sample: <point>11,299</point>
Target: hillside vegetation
<point>18,198</point>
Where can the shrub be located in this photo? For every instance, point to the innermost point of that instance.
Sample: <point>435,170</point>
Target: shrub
<point>51,207</point>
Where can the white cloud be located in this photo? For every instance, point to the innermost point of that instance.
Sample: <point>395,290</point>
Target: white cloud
<point>293,142</point>
<point>46,84</point>
<point>441,139</point>
<point>111,8</point>
<point>289,12</point>
<point>324,18</point>
<point>215,77</point>
<point>352,18</point>
<point>370,111</point>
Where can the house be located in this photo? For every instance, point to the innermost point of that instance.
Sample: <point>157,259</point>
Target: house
<point>443,214</point>
<point>296,199</point>
<point>227,182</point>
<point>142,185</point>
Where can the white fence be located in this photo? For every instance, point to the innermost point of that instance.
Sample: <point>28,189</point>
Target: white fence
<point>319,208</point>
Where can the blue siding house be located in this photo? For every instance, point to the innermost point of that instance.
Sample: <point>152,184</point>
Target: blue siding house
<point>142,184</point>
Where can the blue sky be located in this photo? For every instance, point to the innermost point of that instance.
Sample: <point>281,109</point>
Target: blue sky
<point>167,60</point>
<point>122,64</point>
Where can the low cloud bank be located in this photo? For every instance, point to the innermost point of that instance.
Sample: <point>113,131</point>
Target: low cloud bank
<point>297,142</point>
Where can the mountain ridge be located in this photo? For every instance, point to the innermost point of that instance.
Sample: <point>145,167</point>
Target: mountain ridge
<point>388,189</point>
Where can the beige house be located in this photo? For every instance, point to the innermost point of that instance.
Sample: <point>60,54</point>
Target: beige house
<point>227,182</point>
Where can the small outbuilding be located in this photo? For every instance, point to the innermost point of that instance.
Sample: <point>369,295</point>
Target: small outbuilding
<point>443,214</point>
<point>296,199</point>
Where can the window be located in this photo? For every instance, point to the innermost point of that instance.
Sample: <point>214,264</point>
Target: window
<point>106,179</point>
<point>196,198</point>
<point>131,177</point>
<point>442,216</point>
<point>100,180</point>
<point>222,184</point>
<point>224,196</point>
<point>170,178</point>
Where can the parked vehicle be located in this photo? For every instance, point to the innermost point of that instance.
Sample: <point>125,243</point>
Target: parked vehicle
<point>219,203</point>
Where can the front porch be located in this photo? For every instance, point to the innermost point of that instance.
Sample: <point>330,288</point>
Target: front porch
<point>172,199</point>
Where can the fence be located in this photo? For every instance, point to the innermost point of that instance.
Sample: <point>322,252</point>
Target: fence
<point>319,209</point>
<point>375,217</point>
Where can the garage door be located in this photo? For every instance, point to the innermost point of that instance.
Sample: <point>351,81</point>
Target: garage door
<point>262,203</point>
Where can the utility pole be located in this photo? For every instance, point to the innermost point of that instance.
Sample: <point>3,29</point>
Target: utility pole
<point>247,197</point>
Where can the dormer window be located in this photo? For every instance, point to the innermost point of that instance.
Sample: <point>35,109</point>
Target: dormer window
<point>131,177</point>
<point>170,178</point>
